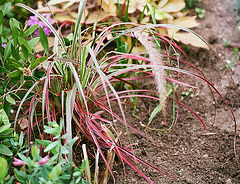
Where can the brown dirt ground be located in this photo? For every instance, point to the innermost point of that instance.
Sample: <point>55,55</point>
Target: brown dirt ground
<point>203,156</point>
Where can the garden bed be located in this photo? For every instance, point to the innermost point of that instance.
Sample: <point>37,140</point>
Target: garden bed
<point>188,152</point>
<point>78,83</point>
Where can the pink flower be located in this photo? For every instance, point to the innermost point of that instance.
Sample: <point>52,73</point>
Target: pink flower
<point>4,45</point>
<point>18,162</point>
<point>44,160</point>
<point>34,20</point>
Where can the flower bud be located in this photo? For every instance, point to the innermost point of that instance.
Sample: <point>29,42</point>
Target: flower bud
<point>44,160</point>
<point>18,162</point>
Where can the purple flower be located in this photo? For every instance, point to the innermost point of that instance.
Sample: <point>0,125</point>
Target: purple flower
<point>4,45</point>
<point>44,160</point>
<point>18,162</point>
<point>34,20</point>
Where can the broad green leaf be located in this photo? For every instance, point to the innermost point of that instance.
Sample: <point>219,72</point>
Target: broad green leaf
<point>24,159</point>
<point>1,18</point>
<point>25,52</point>
<point>64,150</point>
<point>7,51</point>
<point>7,132</point>
<point>44,142</point>
<point>15,52</point>
<point>33,42</point>
<point>3,70</point>
<point>44,40</point>
<point>6,8</point>
<point>73,141</point>
<point>21,139</point>
<point>53,131</point>
<point>15,28</point>
<point>3,117</point>
<point>3,169</point>
<point>14,22</point>
<point>17,64</point>
<point>15,73</point>
<point>21,176</point>
<point>53,124</point>
<point>3,137</point>
<point>21,79</point>
<point>30,31</point>
<point>51,146</point>
<point>4,150</point>
<point>7,107</point>
<point>15,33</point>
<point>35,63</point>
<point>34,152</point>
<point>4,127</point>
<point>10,99</point>
<point>25,43</point>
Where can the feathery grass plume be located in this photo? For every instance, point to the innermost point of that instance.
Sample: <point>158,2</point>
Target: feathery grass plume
<point>156,60</point>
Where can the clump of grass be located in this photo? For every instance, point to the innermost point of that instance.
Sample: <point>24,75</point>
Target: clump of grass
<point>79,85</point>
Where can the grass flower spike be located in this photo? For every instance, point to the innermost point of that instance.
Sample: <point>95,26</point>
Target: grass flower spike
<point>157,62</point>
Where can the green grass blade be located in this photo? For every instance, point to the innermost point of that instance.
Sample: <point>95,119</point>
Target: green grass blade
<point>77,30</point>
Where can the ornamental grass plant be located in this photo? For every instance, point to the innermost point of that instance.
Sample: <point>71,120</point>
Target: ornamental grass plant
<point>78,87</point>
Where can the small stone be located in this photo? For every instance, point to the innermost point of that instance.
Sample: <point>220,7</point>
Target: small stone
<point>205,156</point>
<point>228,181</point>
<point>189,181</point>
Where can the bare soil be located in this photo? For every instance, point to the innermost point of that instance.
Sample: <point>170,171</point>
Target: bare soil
<point>189,152</point>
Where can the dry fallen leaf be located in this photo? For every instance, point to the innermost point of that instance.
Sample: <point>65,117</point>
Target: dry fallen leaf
<point>62,18</point>
<point>145,20</point>
<point>108,6</point>
<point>188,38</point>
<point>55,2</point>
<point>133,19</point>
<point>138,49</point>
<point>97,16</point>
<point>173,6</point>
<point>69,2</point>
<point>23,123</point>
<point>50,9</point>
<point>162,3</point>
<point>188,22</point>
<point>179,14</point>
<point>134,4</point>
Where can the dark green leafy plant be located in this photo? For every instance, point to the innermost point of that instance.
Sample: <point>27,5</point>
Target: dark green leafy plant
<point>200,12</point>
<point>226,42</point>
<point>3,169</point>
<point>18,62</point>
<point>5,133</point>
<point>49,169</point>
